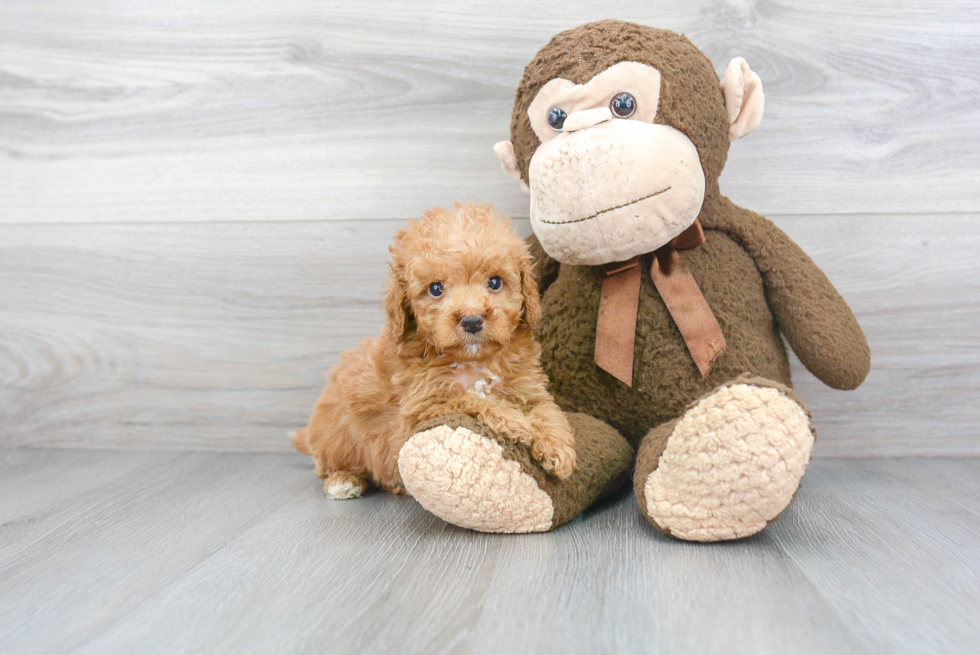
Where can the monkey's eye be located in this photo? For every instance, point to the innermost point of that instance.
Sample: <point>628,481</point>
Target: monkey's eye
<point>556,118</point>
<point>436,289</point>
<point>623,105</point>
<point>495,283</point>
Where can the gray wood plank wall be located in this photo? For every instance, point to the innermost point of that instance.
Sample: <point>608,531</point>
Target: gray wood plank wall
<point>195,198</point>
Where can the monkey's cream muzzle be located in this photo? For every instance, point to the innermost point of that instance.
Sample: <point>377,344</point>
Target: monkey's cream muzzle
<point>606,189</point>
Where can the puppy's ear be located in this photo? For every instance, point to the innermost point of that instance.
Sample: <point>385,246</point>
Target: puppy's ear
<point>529,289</point>
<point>395,303</point>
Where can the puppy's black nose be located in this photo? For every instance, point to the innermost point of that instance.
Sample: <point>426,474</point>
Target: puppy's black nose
<point>472,324</point>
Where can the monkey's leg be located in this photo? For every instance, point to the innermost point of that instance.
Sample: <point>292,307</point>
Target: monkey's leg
<point>456,468</point>
<point>728,466</point>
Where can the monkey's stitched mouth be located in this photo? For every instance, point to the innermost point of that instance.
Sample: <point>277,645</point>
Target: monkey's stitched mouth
<point>600,213</point>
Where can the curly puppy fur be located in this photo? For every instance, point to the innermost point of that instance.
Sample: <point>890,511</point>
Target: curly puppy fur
<point>426,363</point>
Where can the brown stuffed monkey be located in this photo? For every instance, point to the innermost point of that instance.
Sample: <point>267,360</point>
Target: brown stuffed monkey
<point>664,303</point>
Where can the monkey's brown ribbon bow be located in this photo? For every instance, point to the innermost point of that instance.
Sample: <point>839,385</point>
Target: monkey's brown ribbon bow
<point>616,328</point>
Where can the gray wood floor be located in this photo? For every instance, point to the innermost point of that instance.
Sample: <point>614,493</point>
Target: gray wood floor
<point>123,552</point>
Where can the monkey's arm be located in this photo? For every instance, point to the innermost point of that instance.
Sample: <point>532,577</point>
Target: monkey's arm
<point>815,319</point>
<point>545,268</point>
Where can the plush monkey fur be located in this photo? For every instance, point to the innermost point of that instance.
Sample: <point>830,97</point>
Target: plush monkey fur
<point>719,456</point>
<point>757,281</point>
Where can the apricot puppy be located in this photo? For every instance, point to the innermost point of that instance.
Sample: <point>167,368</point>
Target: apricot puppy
<point>461,305</point>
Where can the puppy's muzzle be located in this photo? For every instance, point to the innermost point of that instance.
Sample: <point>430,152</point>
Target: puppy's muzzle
<point>471,324</point>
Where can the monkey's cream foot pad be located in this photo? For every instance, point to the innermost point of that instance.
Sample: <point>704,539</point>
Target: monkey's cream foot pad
<point>731,465</point>
<point>464,479</point>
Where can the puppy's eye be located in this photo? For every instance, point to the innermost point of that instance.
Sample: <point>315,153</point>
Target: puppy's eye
<point>556,118</point>
<point>436,289</point>
<point>623,105</point>
<point>495,283</point>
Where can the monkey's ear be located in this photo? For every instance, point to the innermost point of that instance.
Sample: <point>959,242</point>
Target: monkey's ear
<point>508,161</point>
<point>744,98</point>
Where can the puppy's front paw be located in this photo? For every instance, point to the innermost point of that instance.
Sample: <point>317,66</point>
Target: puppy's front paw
<point>555,455</point>
<point>510,424</point>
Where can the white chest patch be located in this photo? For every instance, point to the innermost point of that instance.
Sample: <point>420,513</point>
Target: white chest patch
<point>475,379</point>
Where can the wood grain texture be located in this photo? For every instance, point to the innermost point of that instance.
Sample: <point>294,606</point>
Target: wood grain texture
<point>312,110</point>
<point>123,542</point>
<point>219,335</point>
<point>37,487</point>
<point>242,553</point>
<point>923,513</point>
